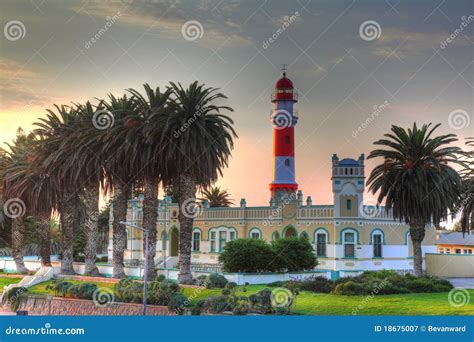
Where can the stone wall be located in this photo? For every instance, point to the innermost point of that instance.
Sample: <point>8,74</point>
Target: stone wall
<point>41,305</point>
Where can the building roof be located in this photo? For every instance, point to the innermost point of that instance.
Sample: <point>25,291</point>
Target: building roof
<point>456,238</point>
<point>349,162</point>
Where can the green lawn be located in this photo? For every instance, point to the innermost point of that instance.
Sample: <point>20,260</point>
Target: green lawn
<point>41,288</point>
<point>7,281</point>
<point>309,303</point>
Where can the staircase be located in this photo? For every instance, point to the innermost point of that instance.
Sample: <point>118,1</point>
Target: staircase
<point>171,262</point>
<point>43,274</point>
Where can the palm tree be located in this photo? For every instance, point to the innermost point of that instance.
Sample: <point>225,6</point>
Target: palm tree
<point>120,146</point>
<point>416,180</point>
<point>195,147</point>
<point>150,110</point>
<point>467,202</point>
<point>58,163</point>
<point>217,197</point>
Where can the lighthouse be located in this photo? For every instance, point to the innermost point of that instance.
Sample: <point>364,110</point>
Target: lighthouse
<point>283,120</point>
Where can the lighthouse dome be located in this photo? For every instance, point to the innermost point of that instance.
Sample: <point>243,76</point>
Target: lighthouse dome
<point>284,83</point>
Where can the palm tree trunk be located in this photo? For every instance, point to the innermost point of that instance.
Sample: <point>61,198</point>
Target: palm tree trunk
<point>119,233</point>
<point>417,234</point>
<point>44,222</point>
<point>150,216</point>
<point>187,192</point>
<point>69,203</point>
<point>18,231</point>
<point>91,231</point>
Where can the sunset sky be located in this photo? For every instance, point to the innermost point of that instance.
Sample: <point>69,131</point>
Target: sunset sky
<point>340,72</point>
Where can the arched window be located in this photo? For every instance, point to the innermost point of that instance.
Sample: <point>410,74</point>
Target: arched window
<point>163,240</point>
<point>196,240</point>
<point>377,239</point>
<point>349,244</point>
<point>321,242</point>
<point>255,233</point>
<point>304,235</point>
<point>222,239</point>
<point>212,240</point>
<point>275,236</point>
<point>232,234</point>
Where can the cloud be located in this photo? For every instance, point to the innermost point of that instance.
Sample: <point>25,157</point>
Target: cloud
<point>19,87</point>
<point>167,19</point>
<point>409,43</point>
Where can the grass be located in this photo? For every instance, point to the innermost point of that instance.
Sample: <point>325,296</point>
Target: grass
<point>41,287</point>
<point>7,281</point>
<point>308,303</point>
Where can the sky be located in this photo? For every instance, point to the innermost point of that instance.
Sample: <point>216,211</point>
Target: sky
<point>359,67</point>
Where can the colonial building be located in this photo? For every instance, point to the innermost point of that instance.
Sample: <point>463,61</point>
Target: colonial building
<point>347,235</point>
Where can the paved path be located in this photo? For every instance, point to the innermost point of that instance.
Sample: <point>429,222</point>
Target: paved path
<point>467,283</point>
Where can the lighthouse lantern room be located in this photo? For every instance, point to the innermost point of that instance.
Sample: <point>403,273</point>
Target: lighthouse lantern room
<point>284,120</point>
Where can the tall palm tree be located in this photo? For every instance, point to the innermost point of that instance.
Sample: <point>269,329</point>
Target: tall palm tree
<point>58,161</point>
<point>25,181</point>
<point>217,197</point>
<point>120,146</point>
<point>467,201</point>
<point>196,143</point>
<point>150,110</point>
<point>416,180</point>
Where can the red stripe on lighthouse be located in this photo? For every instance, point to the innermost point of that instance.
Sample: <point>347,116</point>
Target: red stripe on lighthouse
<point>284,142</point>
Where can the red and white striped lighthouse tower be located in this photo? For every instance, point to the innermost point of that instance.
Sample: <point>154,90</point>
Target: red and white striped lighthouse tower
<point>284,120</point>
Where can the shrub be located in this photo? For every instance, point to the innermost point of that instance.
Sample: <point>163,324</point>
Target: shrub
<point>317,284</point>
<point>81,291</point>
<point>216,281</point>
<point>14,297</point>
<point>241,308</point>
<point>216,304</point>
<point>248,255</point>
<point>262,301</point>
<point>129,291</point>
<point>161,293</point>
<point>201,280</point>
<point>59,287</point>
<point>177,302</point>
<point>294,254</point>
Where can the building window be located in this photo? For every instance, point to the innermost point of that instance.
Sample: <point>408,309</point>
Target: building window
<point>275,236</point>
<point>287,162</point>
<point>349,245</point>
<point>457,251</point>
<point>448,251</point>
<point>348,204</point>
<point>222,240</point>
<point>163,241</point>
<point>377,242</point>
<point>321,244</point>
<point>255,234</point>
<point>196,241</point>
<point>441,250</point>
<point>287,139</point>
<point>469,251</point>
<point>212,239</point>
<point>232,235</point>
